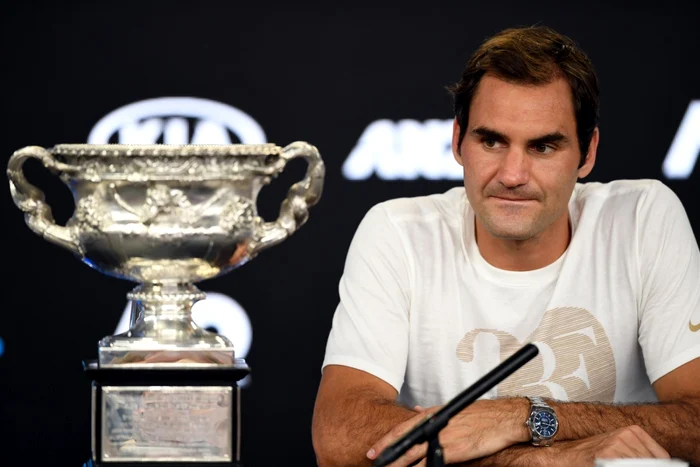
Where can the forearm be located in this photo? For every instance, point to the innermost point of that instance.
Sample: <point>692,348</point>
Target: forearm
<point>343,433</point>
<point>674,425</point>
<point>519,455</point>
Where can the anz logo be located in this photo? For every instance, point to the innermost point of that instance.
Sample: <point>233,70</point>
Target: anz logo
<point>177,120</point>
<point>404,150</point>
<point>685,148</point>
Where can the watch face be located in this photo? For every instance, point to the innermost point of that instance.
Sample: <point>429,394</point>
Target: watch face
<point>544,424</point>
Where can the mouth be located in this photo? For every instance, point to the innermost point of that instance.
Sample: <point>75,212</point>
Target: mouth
<point>512,200</point>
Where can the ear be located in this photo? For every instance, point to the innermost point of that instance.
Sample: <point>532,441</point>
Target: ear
<point>589,162</point>
<point>455,142</point>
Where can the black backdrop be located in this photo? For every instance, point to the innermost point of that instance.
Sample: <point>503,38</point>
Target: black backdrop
<point>320,73</point>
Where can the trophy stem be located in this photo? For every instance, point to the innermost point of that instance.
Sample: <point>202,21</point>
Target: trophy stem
<point>162,330</point>
<point>163,301</point>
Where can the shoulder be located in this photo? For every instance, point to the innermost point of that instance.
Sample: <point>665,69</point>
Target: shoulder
<point>617,188</point>
<point>646,205</point>
<point>447,206</point>
<point>396,228</point>
<point>625,194</point>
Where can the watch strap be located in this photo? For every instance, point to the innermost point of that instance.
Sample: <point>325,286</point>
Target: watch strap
<point>537,401</point>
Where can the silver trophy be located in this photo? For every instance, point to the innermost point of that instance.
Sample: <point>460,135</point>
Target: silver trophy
<point>166,217</point>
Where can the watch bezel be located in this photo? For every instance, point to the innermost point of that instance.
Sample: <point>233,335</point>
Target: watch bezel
<point>534,428</point>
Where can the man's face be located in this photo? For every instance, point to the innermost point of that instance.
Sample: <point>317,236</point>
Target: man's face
<point>520,156</point>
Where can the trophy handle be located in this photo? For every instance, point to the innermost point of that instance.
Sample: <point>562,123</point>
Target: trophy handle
<point>294,210</point>
<point>30,199</point>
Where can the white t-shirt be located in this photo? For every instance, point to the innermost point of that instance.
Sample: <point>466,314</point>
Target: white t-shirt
<point>421,309</point>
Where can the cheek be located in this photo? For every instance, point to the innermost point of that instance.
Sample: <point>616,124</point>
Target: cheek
<point>478,169</point>
<point>555,182</point>
<point>474,180</point>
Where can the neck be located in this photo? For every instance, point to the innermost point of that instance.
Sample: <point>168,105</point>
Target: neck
<point>525,255</point>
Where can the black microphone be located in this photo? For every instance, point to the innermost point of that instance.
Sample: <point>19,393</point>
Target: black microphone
<point>431,426</point>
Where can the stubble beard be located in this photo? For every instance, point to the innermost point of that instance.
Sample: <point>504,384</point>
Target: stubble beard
<point>513,225</point>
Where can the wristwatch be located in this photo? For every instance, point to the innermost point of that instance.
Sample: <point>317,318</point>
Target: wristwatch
<point>542,422</point>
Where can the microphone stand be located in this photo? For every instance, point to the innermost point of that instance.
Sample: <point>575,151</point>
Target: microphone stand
<point>429,429</point>
<point>435,457</point>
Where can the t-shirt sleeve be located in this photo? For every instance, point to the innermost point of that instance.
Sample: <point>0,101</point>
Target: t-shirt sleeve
<point>370,326</point>
<point>670,279</point>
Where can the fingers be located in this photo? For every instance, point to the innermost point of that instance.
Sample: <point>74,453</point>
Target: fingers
<point>413,454</point>
<point>632,446</point>
<point>409,458</point>
<point>630,442</point>
<point>388,439</point>
<point>651,447</point>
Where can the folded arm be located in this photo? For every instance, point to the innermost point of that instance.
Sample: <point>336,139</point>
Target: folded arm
<point>673,422</point>
<point>494,431</point>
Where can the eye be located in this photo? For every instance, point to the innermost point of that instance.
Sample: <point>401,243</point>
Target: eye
<point>542,148</point>
<point>490,143</point>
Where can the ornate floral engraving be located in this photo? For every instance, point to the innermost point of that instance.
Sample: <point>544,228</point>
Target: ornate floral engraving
<point>162,201</point>
<point>237,213</point>
<point>175,168</point>
<point>92,215</point>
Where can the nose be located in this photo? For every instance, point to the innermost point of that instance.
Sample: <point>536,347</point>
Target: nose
<point>515,168</point>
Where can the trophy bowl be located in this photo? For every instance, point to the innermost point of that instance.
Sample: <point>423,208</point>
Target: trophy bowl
<point>166,217</point>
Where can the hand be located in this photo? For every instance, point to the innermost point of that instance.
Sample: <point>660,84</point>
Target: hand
<point>482,429</point>
<point>627,442</point>
<point>174,356</point>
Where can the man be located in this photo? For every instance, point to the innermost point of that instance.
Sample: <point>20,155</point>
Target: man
<point>437,290</point>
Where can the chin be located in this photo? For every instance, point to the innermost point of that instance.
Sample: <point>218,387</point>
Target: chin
<point>512,235</point>
<point>510,231</point>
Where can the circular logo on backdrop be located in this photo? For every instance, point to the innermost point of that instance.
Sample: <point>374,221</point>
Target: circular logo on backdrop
<point>218,313</point>
<point>176,120</point>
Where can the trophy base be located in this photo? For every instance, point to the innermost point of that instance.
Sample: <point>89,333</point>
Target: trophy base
<point>167,357</point>
<point>170,415</point>
<point>90,463</point>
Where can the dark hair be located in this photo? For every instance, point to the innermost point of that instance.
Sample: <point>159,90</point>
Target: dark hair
<point>533,55</point>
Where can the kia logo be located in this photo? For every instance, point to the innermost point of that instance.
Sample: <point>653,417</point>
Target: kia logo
<point>146,121</point>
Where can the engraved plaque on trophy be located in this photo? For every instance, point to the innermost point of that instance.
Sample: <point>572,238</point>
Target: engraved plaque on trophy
<point>166,391</point>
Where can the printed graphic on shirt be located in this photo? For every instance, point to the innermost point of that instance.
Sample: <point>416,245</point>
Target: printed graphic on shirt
<point>575,362</point>
<point>694,327</point>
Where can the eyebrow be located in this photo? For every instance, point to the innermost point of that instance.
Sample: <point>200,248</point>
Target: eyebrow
<point>555,137</point>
